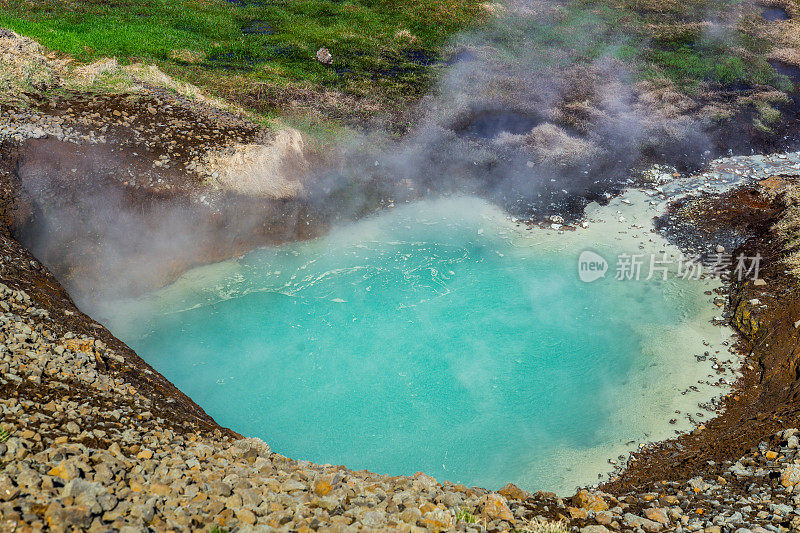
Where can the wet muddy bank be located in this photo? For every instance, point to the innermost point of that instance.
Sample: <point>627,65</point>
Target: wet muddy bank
<point>764,313</point>
<point>136,238</point>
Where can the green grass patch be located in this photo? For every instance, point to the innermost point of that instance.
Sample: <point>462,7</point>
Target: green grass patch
<point>379,46</point>
<point>654,38</point>
<point>464,515</point>
<point>261,54</point>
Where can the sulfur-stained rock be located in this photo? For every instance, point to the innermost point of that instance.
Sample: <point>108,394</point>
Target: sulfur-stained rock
<point>657,515</point>
<point>438,520</point>
<point>65,470</point>
<point>589,501</point>
<point>790,475</point>
<point>322,487</point>
<point>512,492</point>
<point>495,508</point>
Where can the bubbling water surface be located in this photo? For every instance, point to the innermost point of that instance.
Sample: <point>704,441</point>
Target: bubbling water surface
<point>437,337</point>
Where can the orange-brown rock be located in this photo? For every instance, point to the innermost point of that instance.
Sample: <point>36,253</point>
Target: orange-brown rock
<point>495,507</point>
<point>589,501</point>
<point>512,492</point>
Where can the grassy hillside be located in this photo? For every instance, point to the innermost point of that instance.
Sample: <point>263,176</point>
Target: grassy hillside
<point>248,50</point>
<point>261,55</point>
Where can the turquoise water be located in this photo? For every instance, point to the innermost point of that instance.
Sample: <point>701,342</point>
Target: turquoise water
<point>434,338</point>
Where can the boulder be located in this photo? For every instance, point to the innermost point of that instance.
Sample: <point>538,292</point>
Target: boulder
<point>495,508</point>
<point>589,501</point>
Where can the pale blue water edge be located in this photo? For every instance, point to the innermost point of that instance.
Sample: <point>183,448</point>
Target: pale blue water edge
<point>433,338</point>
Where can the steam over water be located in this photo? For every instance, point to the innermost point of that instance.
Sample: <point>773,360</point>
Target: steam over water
<point>437,337</point>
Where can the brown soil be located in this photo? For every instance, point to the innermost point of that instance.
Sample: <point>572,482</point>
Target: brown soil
<point>765,399</point>
<point>78,214</point>
<point>61,197</point>
<point>150,125</point>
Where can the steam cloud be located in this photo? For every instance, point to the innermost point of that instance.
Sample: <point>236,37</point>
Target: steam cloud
<point>535,114</point>
<point>534,126</point>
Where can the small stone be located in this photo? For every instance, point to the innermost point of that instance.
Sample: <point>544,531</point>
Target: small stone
<point>589,501</point>
<point>329,504</point>
<point>291,485</point>
<point>657,515</point>
<point>322,487</point>
<point>594,529</point>
<point>324,56</point>
<point>438,520</point>
<point>411,515</point>
<point>790,475</point>
<point>144,511</point>
<point>633,521</point>
<point>145,454</point>
<point>160,489</point>
<point>252,447</point>
<point>576,513</point>
<point>8,491</point>
<point>604,518</point>
<point>512,492</point>
<point>67,517</point>
<point>65,470</point>
<point>373,519</point>
<point>246,516</point>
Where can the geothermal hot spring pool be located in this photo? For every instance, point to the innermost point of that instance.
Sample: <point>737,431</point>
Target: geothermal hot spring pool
<point>439,337</point>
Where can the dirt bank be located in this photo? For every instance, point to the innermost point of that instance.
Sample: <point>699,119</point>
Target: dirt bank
<point>765,399</point>
<point>78,164</point>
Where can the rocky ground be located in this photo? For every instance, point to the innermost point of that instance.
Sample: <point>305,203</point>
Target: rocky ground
<point>93,438</point>
<point>85,447</point>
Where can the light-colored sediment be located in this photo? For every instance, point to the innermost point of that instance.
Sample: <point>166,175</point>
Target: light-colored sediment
<point>271,170</point>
